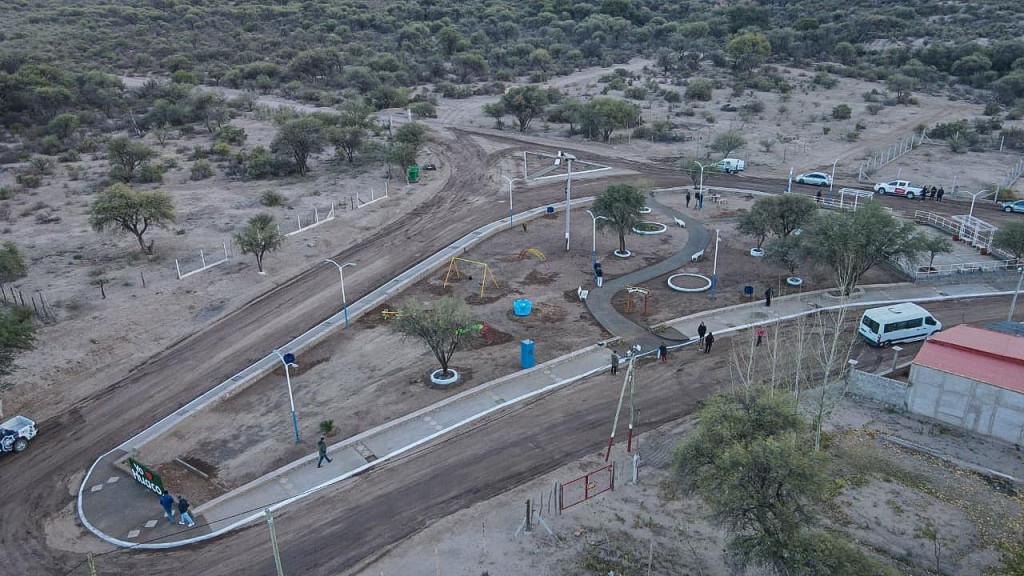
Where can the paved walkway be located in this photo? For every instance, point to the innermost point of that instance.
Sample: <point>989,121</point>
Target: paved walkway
<point>118,510</point>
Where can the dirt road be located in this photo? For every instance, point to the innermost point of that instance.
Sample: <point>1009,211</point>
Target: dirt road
<point>344,527</point>
<point>391,502</point>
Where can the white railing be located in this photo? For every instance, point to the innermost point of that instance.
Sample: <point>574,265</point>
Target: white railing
<point>317,220</point>
<point>965,268</point>
<point>203,264</point>
<point>975,232</point>
<point>373,196</point>
<point>848,201</point>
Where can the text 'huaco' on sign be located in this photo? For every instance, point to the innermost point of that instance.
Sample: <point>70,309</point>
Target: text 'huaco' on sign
<point>143,475</point>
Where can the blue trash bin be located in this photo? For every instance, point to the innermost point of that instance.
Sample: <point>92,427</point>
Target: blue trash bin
<point>522,307</point>
<point>526,354</point>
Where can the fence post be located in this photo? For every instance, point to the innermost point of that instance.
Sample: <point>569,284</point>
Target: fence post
<point>528,515</point>
<point>225,246</point>
<point>178,268</point>
<point>202,257</point>
<point>557,489</point>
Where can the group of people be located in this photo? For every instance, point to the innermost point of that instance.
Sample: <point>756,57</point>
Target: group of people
<point>698,200</point>
<point>936,193</point>
<point>167,501</point>
<point>705,340</point>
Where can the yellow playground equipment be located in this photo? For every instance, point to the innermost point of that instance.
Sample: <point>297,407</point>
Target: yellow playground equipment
<point>532,252</point>
<point>453,269</point>
<point>630,290</point>
<point>389,314</point>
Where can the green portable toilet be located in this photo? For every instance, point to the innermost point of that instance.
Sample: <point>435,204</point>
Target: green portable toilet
<point>414,173</point>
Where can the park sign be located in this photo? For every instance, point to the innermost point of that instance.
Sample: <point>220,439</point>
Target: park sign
<point>143,475</point>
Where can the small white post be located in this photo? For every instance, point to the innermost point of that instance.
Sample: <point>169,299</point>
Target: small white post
<point>178,268</point>
<point>298,218</point>
<point>202,257</point>
<point>316,215</point>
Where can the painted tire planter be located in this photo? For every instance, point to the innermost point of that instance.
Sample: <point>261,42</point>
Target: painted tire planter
<point>436,380</point>
<point>625,254</point>
<point>660,228</point>
<point>794,281</point>
<point>677,288</point>
<point>757,252</point>
<point>645,210</point>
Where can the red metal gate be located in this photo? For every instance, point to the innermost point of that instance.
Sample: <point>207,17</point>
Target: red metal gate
<point>586,487</point>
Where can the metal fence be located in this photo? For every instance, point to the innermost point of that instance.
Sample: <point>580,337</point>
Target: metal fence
<point>871,165</point>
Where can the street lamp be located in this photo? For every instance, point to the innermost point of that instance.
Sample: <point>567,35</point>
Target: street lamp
<point>593,244</point>
<point>832,178</point>
<point>569,158</point>
<point>714,267</point>
<point>970,217</point>
<point>1013,303</point>
<point>341,273</point>
<point>289,362</point>
<point>700,189</point>
<point>510,181</point>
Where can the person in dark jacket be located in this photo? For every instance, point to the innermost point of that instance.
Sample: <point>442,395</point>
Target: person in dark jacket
<point>701,331</point>
<point>687,198</point>
<point>768,297</point>
<point>941,192</point>
<point>321,447</point>
<point>186,517</point>
<point>663,353</point>
<point>708,341</point>
<point>167,501</point>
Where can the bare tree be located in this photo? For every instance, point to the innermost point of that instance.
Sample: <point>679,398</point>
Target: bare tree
<point>443,327</point>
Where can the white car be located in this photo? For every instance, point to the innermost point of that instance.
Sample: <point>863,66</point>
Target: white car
<point>814,179</point>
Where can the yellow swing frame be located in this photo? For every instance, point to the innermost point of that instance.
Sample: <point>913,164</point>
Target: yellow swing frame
<point>453,268</point>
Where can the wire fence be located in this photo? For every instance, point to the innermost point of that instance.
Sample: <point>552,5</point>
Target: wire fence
<point>904,145</point>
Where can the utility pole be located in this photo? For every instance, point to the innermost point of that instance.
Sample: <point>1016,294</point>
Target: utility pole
<point>273,542</point>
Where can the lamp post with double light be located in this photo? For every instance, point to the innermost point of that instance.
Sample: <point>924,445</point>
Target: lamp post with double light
<point>288,360</point>
<point>593,243</point>
<point>341,274</point>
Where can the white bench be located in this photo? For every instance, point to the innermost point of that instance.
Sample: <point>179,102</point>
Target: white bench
<point>681,223</point>
<point>582,293</point>
<point>696,256</point>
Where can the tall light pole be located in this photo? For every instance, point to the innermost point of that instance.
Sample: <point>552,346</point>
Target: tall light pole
<point>714,266</point>
<point>568,190</point>
<point>700,189</point>
<point>1013,303</point>
<point>970,215</point>
<point>832,178</point>
<point>593,244</point>
<point>341,273</point>
<point>510,182</point>
<point>289,362</point>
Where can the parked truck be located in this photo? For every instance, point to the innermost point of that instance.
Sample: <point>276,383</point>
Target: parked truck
<point>15,434</point>
<point>898,188</point>
<point>731,165</point>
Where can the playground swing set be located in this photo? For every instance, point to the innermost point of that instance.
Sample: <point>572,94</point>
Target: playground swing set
<point>453,270</point>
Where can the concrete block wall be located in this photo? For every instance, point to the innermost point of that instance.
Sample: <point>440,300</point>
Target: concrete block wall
<point>962,402</point>
<point>878,388</point>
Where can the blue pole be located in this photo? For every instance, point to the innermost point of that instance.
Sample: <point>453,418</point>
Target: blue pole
<point>344,309</point>
<point>295,422</point>
<point>714,282</point>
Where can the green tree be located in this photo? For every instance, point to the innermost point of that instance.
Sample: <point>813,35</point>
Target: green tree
<point>413,134</point>
<point>495,110</point>
<point>757,222</point>
<point>699,89</point>
<point>604,115</point>
<point>525,103</point>
<point>126,156</point>
<point>903,86</point>
<point>471,65</point>
<point>621,205</point>
<point>569,111</point>
<point>443,327</point>
<point>1010,237</point>
<point>259,236</point>
<point>842,112</point>
<point>750,50</point>
<point>790,212</point>
<point>402,155</point>
<point>299,138</point>
<point>121,209</point>
<point>851,243</point>
<point>450,39</point>
<point>12,265</point>
<point>726,142</point>
<point>17,335</point>
<point>934,245</point>
<point>788,251</point>
<point>63,126</point>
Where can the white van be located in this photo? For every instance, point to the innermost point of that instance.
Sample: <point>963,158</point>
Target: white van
<point>897,323</point>
<point>729,165</point>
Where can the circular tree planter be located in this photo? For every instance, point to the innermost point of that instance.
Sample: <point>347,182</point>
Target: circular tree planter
<point>436,380</point>
<point>794,281</point>
<point>625,254</point>
<point>677,288</point>
<point>757,252</point>
<point>650,228</point>
<point>645,210</point>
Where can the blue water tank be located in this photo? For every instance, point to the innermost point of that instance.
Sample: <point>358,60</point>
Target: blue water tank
<point>526,354</point>
<point>522,307</point>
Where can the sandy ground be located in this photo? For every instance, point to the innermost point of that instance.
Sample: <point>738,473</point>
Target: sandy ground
<point>96,341</point>
<point>885,497</point>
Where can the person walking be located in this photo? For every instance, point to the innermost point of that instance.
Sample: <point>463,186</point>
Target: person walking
<point>941,192</point>
<point>687,198</point>
<point>817,197</point>
<point>760,335</point>
<point>186,517</point>
<point>663,353</point>
<point>700,200</point>
<point>768,297</point>
<point>615,362</point>
<point>708,341</point>
<point>701,331</point>
<point>321,447</point>
<point>167,501</point>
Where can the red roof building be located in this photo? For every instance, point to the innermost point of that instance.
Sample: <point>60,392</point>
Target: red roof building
<point>977,354</point>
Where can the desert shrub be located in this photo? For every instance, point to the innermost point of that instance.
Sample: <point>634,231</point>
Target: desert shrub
<point>992,108</point>
<point>29,180</point>
<point>51,145</point>
<point>700,89</point>
<point>7,192</point>
<point>852,136</point>
<point>948,130</point>
<point>220,149</point>
<point>636,93</point>
<point>71,155</point>
<point>1013,138</point>
<point>272,198</point>
<point>874,108</point>
<point>450,90</point>
<point>842,112</point>
<point>232,135</point>
<point>424,110</point>
<point>672,96</point>
<point>201,170</point>
<point>825,80</point>
<point>151,173</point>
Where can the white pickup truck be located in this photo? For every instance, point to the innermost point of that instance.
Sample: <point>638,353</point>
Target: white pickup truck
<point>15,434</point>
<point>897,188</point>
